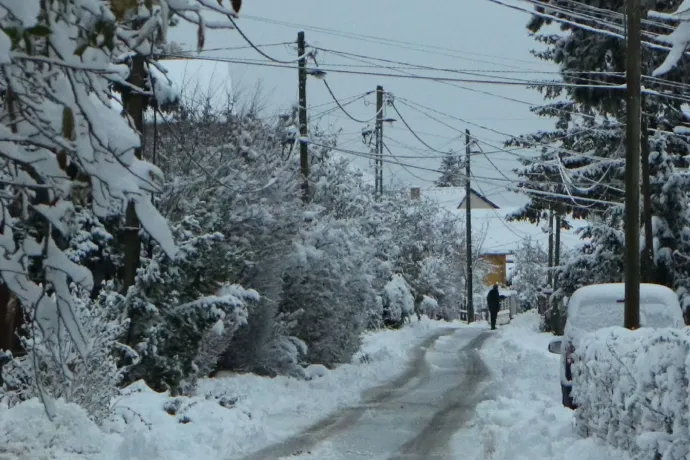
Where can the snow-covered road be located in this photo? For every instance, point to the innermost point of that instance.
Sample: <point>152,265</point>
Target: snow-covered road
<point>412,417</point>
<point>445,391</point>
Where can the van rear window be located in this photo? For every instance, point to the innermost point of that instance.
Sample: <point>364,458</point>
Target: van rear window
<point>593,316</point>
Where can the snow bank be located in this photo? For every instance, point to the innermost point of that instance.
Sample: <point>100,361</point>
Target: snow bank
<point>632,390</point>
<point>228,418</point>
<point>522,417</point>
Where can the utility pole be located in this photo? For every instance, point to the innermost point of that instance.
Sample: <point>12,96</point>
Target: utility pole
<point>134,107</point>
<point>648,259</point>
<point>379,142</point>
<point>557,250</point>
<point>468,230</point>
<point>550,272</point>
<point>632,167</point>
<point>303,146</point>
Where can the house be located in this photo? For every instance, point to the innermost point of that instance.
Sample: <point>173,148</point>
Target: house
<point>497,260</point>
<point>498,238</point>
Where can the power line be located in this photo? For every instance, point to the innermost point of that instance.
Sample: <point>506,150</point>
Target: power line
<point>486,81</point>
<point>236,48</point>
<point>413,131</point>
<point>428,49</point>
<point>576,24</point>
<point>361,58</point>
<point>485,179</point>
<point>260,51</point>
<point>330,91</point>
<point>406,167</point>
<point>471,72</point>
<point>543,145</point>
<point>447,81</point>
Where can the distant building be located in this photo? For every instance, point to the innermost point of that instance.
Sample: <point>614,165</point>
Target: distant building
<point>501,238</point>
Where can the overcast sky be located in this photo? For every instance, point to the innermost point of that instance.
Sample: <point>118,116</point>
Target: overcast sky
<point>464,35</point>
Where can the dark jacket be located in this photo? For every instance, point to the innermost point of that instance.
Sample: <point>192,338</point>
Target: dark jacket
<point>493,299</point>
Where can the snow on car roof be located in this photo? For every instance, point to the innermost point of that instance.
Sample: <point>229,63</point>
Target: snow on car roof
<point>602,305</point>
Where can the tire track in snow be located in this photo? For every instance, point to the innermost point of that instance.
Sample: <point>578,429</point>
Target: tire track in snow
<point>416,373</point>
<point>459,403</point>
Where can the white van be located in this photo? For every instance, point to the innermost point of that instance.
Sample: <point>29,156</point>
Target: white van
<point>602,305</point>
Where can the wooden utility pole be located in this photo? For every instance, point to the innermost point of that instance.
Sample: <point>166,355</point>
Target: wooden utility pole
<point>134,107</point>
<point>9,309</point>
<point>468,228</point>
<point>303,146</point>
<point>632,167</point>
<point>550,272</point>
<point>648,258</point>
<point>379,142</point>
<point>557,249</point>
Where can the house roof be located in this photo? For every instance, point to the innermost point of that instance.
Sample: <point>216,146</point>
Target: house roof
<point>488,201</point>
<point>449,195</point>
<point>499,235</point>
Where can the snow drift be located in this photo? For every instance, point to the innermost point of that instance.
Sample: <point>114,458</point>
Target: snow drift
<point>522,417</point>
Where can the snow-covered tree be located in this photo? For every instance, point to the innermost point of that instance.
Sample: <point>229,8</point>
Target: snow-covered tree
<point>452,174</point>
<point>530,271</point>
<point>70,168</point>
<point>582,160</point>
<point>241,172</point>
<point>62,134</point>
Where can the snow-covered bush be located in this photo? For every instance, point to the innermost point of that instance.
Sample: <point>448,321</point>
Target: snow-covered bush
<point>179,306</point>
<point>58,369</point>
<point>633,392</point>
<point>327,278</point>
<point>428,306</point>
<point>398,301</point>
<point>316,263</point>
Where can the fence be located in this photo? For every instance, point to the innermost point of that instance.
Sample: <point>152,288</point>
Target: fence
<point>506,313</point>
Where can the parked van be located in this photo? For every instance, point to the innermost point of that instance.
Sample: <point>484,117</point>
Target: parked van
<point>602,305</point>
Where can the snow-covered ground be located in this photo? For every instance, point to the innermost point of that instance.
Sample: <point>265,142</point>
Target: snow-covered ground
<point>231,416</point>
<point>524,418</point>
<point>521,418</point>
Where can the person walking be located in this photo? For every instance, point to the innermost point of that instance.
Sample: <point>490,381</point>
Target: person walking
<point>493,300</point>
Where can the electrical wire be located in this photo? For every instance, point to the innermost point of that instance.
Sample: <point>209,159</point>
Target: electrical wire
<point>543,145</point>
<point>413,46</point>
<point>409,128</point>
<point>486,81</point>
<point>330,91</point>
<point>236,48</point>
<point>576,24</point>
<point>261,52</point>
<point>405,167</point>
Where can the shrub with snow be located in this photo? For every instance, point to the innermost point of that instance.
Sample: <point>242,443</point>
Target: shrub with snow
<point>428,306</point>
<point>185,311</point>
<point>326,278</point>
<point>56,368</point>
<point>632,390</point>
<point>398,302</point>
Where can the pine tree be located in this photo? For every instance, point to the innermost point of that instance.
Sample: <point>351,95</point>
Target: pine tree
<point>451,171</point>
<point>583,157</point>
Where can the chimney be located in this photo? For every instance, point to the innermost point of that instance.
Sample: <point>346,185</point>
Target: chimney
<point>415,193</point>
